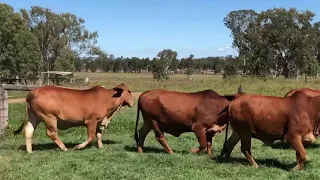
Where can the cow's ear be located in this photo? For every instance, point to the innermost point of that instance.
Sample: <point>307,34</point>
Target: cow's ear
<point>229,97</point>
<point>117,91</point>
<point>122,86</point>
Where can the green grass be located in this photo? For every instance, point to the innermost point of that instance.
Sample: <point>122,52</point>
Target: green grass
<point>17,94</point>
<point>143,82</point>
<point>119,160</point>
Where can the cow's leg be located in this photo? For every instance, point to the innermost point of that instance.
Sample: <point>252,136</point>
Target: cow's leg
<point>91,130</point>
<point>99,131</point>
<point>51,125</point>
<point>201,136</point>
<point>143,132</point>
<point>301,154</point>
<point>160,137</point>
<point>246,148</point>
<point>29,129</point>
<point>209,136</point>
<point>231,143</point>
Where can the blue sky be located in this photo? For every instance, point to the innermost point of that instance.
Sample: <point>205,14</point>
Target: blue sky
<point>142,28</point>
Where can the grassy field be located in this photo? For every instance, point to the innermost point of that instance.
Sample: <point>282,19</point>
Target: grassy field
<point>119,160</point>
<point>143,82</point>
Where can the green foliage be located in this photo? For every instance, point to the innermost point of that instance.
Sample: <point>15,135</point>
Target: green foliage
<point>19,50</point>
<point>58,35</point>
<point>190,66</point>
<point>65,62</point>
<point>161,65</point>
<point>159,70</point>
<point>277,39</point>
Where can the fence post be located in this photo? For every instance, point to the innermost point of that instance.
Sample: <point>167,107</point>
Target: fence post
<point>3,110</point>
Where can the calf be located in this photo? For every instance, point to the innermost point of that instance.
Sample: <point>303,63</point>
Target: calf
<point>63,108</point>
<point>269,118</point>
<point>176,112</point>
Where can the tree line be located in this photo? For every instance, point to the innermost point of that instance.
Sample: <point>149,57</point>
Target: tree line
<point>277,41</point>
<point>274,42</point>
<point>166,62</point>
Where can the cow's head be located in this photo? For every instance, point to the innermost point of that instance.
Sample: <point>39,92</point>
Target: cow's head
<point>124,93</point>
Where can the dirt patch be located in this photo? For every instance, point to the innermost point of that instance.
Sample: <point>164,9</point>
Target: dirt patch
<point>20,100</point>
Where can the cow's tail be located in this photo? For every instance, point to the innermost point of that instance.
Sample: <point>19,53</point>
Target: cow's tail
<point>225,110</point>
<point>224,149</point>
<point>136,136</point>
<point>18,131</point>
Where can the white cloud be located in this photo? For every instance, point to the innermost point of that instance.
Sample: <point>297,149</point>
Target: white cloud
<point>227,47</point>
<point>220,49</point>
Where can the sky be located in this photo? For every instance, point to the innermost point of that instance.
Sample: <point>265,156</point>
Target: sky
<point>142,28</point>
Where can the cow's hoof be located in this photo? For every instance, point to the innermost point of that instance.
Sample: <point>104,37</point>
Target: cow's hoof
<point>140,150</point>
<point>65,149</point>
<point>194,150</point>
<point>297,168</point>
<point>255,166</point>
<point>78,147</point>
<point>170,152</point>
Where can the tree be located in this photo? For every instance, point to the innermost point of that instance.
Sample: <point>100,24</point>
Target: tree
<point>238,22</point>
<point>278,39</point>
<point>316,42</point>
<point>66,61</point>
<point>19,50</point>
<point>159,70</point>
<point>167,56</point>
<point>161,65</point>
<point>58,33</point>
<point>288,38</point>
<point>190,66</point>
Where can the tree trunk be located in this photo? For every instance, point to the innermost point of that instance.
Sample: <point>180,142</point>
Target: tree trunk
<point>286,71</point>
<point>305,77</point>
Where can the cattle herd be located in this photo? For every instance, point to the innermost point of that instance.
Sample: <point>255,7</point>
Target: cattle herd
<point>293,118</point>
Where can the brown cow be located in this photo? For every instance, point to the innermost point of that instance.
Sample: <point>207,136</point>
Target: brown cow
<point>176,112</point>
<point>63,108</point>
<point>270,118</point>
<point>308,92</point>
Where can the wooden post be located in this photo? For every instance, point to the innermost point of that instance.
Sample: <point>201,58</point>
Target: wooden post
<point>3,110</point>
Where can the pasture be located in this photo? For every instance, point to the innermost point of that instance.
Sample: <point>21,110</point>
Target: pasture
<point>119,160</point>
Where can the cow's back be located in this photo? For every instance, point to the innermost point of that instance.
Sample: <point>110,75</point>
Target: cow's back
<point>307,91</point>
<point>177,111</point>
<point>264,115</point>
<point>161,103</point>
<point>63,102</point>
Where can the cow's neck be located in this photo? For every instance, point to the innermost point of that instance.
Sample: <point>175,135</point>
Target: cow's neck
<point>110,112</point>
<point>114,107</point>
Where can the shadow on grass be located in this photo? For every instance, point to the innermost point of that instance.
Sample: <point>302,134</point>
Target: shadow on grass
<point>147,149</point>
<point>271,163</point>
<point>285,145</point>
<point>51,146</point>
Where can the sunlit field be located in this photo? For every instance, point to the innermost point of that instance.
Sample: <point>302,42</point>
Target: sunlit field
<point>142,82</point>
<point>119,160</point>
